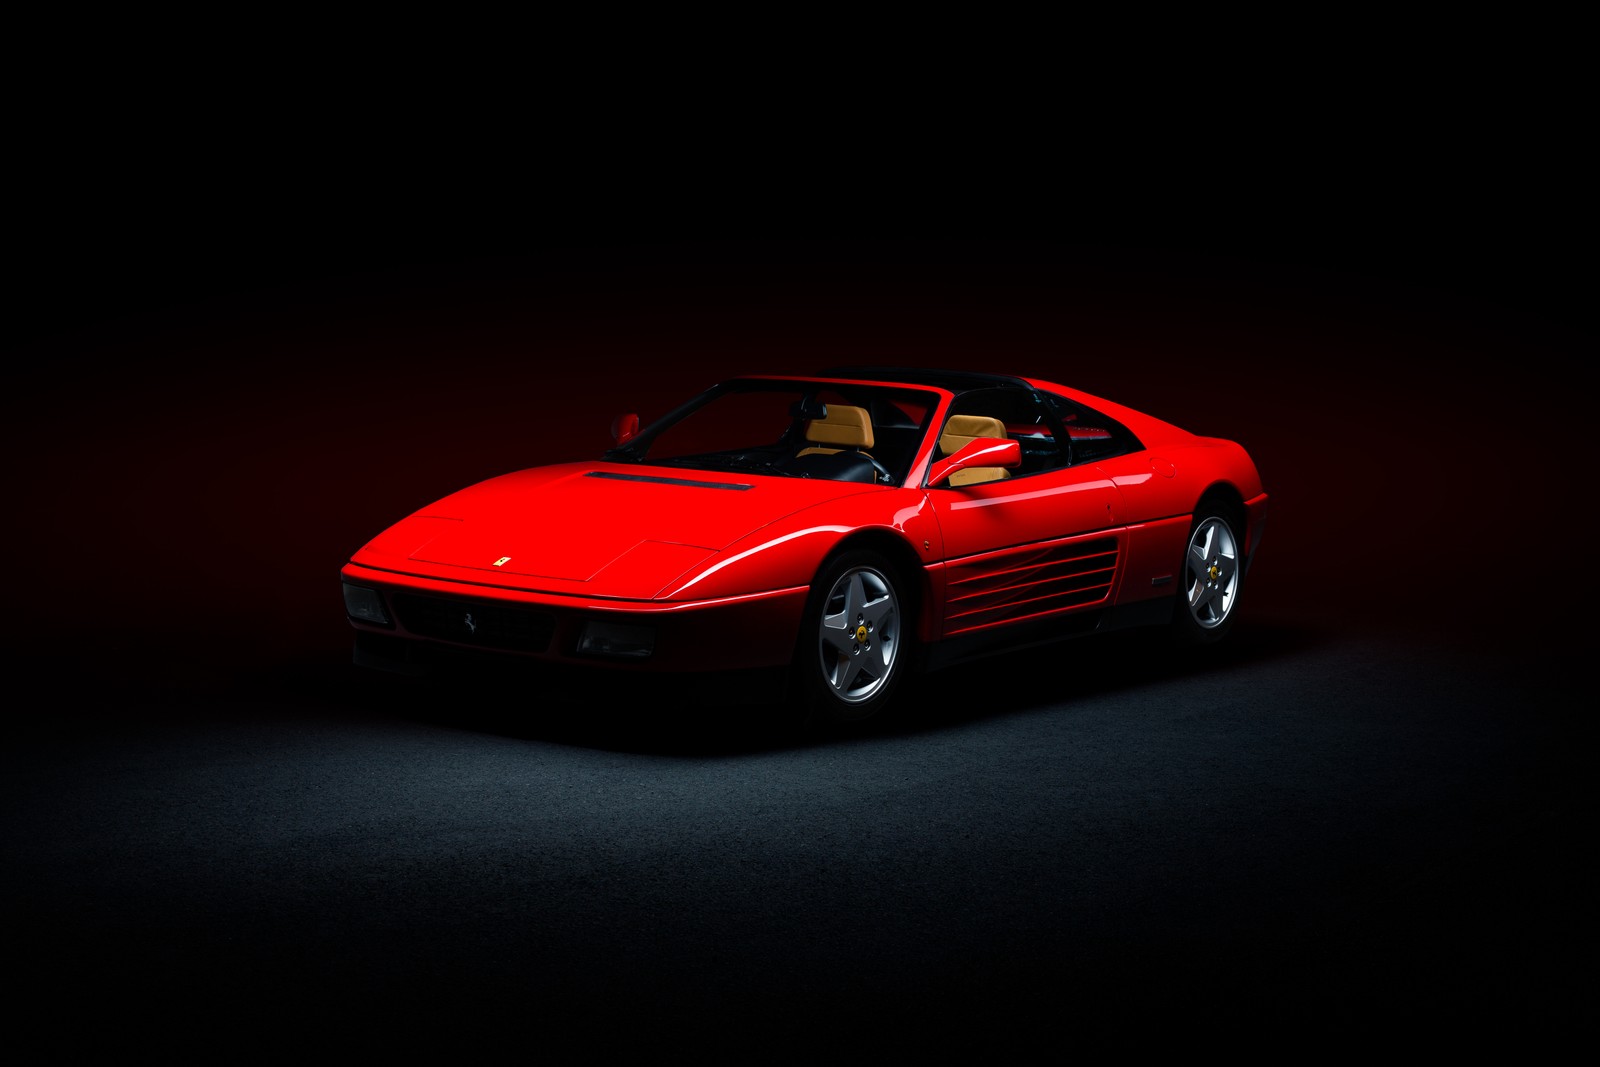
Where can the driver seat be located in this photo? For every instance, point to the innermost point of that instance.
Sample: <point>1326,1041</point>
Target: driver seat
<point>843,428</point>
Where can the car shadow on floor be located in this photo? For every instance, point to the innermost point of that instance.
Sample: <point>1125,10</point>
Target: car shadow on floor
<point>734,714</point>
<point>1008,682</point>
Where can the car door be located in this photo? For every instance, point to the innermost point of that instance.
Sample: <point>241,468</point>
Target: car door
<point>1040,540</point>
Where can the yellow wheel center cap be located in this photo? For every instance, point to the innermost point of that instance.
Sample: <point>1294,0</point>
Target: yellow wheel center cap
<point>1214,571</point>
<point>861,635</point>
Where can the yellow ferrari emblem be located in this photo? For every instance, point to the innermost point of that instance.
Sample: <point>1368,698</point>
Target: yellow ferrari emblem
<point>861,635</point>
<point>1213,570</point>
<point>501,560</point>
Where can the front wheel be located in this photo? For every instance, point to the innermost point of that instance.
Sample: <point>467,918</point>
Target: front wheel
<point>1213,574</point>
<point>856,641</point>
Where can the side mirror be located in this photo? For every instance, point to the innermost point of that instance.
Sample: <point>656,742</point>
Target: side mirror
<point>983,452</point>
<point>624,428</point>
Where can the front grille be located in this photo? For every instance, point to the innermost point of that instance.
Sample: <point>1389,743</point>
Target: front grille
<point>481,623</point>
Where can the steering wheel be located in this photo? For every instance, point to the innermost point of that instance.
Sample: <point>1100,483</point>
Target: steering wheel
<point>884,477</point>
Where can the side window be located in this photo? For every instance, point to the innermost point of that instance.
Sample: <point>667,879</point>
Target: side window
<point>1091,435</point>
<point>1023,418</point>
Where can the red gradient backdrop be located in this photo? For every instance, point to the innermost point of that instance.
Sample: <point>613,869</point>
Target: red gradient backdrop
<point>203,430</point>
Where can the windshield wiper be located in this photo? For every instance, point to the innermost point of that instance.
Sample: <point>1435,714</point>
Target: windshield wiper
<point>751,463</point>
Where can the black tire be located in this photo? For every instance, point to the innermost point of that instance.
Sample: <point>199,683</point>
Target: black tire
<point>1211,578</point>
<point>857,640</point>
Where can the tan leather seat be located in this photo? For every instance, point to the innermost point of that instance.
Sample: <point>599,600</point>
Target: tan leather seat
<point>843,428</point>
<point>962,430</point>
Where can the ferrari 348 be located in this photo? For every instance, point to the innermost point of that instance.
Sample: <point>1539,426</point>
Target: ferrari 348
<point>847,529</point>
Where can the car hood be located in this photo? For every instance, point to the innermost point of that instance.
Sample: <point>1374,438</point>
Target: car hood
<point>605,529</point>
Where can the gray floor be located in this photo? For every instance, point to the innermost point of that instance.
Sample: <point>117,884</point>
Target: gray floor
<point>1310,825</point>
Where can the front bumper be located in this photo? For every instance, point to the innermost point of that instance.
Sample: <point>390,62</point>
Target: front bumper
<point>754,631</point>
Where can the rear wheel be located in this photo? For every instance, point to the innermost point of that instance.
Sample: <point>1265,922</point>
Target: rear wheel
<point>856,642</point>
<point>1213,575</point>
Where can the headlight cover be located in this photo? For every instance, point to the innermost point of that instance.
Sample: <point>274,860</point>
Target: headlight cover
<point>365,604</point>
<point>615,639</point>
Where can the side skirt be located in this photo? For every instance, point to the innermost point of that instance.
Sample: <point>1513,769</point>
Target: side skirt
<point>1007,639</point>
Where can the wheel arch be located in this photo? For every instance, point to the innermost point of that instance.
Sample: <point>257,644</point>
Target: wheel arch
<point>899,553</point>
<point>1225,497</point>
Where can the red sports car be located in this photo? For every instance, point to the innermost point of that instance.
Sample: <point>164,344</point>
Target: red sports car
<point>850,528</point>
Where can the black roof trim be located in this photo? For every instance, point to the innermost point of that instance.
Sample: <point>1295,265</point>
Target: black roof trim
<point>954,380</point>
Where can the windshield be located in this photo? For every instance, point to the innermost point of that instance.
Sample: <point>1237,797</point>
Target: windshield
<point>791,429</point>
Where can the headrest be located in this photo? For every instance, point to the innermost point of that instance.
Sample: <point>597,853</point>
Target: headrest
<point>844,426</point>
<point>962,430</point>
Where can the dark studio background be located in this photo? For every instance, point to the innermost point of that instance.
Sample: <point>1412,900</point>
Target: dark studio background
<point>234,358</point>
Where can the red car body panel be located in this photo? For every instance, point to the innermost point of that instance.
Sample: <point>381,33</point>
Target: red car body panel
<point>710,559</point>
<point>591,529</point>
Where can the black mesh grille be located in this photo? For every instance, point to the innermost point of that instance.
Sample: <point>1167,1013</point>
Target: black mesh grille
<point>481,623</point>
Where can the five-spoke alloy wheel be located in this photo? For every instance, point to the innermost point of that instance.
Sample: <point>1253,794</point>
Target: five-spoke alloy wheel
<point>855,642</point>
<point>1213,573</point>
